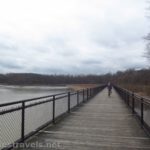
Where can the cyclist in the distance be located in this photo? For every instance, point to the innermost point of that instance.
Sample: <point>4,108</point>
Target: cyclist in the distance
<point>109,86</point>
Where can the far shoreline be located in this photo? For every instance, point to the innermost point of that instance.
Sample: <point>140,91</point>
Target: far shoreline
<point>74,87</point>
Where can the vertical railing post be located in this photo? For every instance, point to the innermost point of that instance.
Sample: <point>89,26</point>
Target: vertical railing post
<point>87,93</point>
<point>142,112</point>
<point>128,98</point>
<point>83,95</point>
<point>93,92</point>
<point>122,94</point>
<point>23,122</point>
<point>133,103</point>
<point>54,109</point>
<point>77,98</point>
<point>68,102</point>
<point>90,93</point>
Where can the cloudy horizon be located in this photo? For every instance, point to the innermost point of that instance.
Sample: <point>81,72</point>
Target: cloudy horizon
<point>72,36</point>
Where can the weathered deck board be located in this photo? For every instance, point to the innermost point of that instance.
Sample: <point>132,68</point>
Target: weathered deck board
<point>102,123</point>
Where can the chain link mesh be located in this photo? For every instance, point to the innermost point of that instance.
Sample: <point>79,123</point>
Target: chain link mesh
<point>137,106</point>
<point>147,114</point>
<point>73,101</point>
<point>61,106</point>
<point>19,119</point>
<point>80,97</point>
<point>10,128</point>
<point>37,116</point>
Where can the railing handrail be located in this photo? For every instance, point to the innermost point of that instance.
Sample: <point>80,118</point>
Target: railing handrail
<point>29,100</point>
<point>138,105</point>
<point>145,100</point>
<point>38,98</point>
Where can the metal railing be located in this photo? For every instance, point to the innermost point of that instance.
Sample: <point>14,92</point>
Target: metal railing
<point>140,106</point>
<point>20,120</point>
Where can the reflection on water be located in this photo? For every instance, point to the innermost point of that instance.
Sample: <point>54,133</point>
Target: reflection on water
<point>14,93</point>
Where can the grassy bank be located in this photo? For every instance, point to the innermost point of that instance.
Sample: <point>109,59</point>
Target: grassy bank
<point>143,90</point>
<point>76,87</point>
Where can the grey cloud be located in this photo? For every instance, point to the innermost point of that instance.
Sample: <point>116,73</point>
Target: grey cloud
<point>49,70</point>
<point>88,43</point>
<point>7,43</point>
<point>56,45</point>
<point>9,65</point>
<point>91,62</point>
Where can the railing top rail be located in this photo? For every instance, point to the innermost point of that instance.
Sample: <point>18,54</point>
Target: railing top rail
<point>29,100</point>
<point>137,96</point>
<point>42,97</point>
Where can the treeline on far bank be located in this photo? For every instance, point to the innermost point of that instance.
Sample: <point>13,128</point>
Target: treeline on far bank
<point>135,77</point>
<point>131,76</point>
<point>137,81</point>
<point>38,79</point>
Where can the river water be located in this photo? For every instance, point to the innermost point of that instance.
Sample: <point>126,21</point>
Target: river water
<point>15,93</point>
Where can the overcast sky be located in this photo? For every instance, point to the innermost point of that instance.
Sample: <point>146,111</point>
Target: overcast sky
<point>72,36</point>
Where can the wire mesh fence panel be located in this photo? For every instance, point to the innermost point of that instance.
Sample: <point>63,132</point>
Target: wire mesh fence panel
<point>61,106</point>
<point>21,118</point>
<point>85,95</point>
<point>80,97</point>
<point>73,101</point>
<point>10,128</point>
<point>137,107</point>
<point>130,101</point>
<point>37,116</point>
<point>147,114</point>
<point>91,91</point>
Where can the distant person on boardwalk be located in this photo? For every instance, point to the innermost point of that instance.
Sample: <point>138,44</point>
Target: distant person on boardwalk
<point>109,86</point>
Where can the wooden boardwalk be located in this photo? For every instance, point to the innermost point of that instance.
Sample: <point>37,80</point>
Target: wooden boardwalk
<point>102,123</point>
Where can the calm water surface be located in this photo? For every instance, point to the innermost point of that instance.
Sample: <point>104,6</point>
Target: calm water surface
<point>14,93</point>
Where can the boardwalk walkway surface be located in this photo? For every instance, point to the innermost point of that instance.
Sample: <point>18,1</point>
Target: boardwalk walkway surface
<point>102,123</point>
